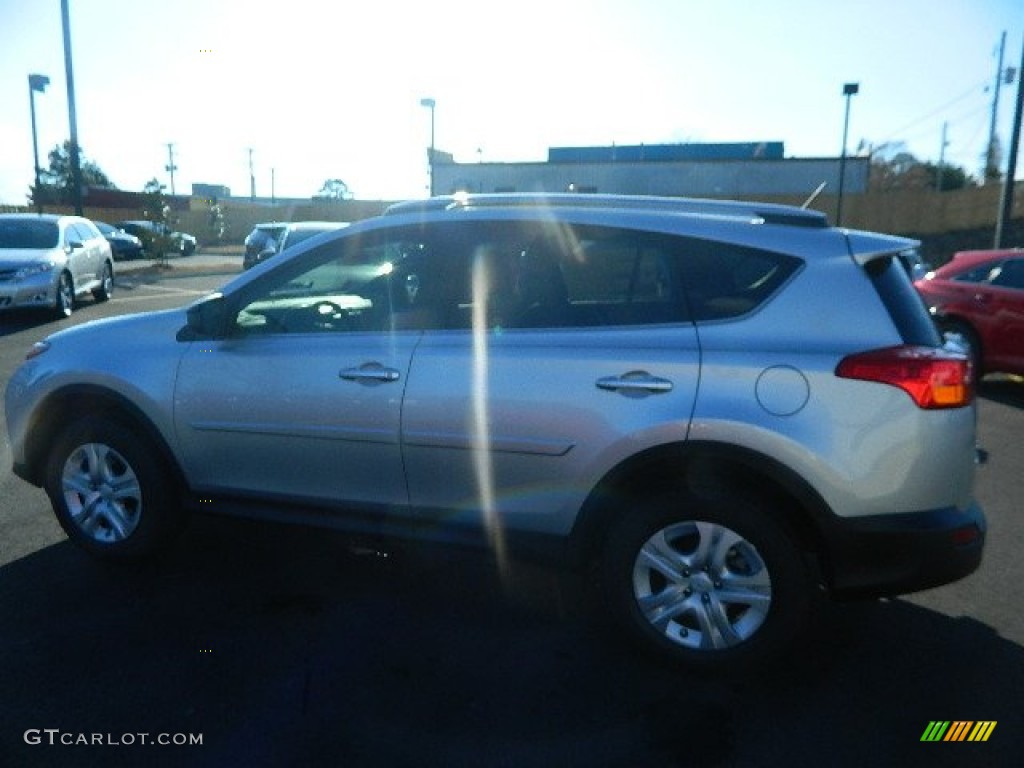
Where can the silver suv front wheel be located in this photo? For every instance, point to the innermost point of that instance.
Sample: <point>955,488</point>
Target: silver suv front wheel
<point>109,490</point>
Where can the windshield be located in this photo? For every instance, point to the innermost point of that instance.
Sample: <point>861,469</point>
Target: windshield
<point>296,236</point>
<point>28,234</point>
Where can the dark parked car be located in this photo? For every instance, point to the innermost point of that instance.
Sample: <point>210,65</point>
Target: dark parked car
<point>261,243</point>
<point>122,244</point>
<point>980,296</point>
<point>267,240</point>
<point>299,231</point>
<point>146,231</point>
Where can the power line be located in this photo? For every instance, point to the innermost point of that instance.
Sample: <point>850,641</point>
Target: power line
<point>898,134</point>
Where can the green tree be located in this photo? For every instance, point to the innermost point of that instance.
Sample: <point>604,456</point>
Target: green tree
<point>951,177</point>
<point>217,221</point>
<point>333,190</point>
<point>56,181</point>
<point>155,209</point>
<point>993,161</point>
<point>894,168</point>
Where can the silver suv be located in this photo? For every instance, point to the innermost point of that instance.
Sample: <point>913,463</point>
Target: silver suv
<point>719,407</point>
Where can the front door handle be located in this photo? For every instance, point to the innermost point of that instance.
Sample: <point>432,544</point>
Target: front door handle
<point>370,373</point>
<point>635,383</point>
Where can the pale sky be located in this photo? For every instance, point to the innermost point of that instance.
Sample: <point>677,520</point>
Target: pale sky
<point>324,90</point>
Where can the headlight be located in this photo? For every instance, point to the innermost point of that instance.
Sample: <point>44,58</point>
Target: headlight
<point>31,270</point>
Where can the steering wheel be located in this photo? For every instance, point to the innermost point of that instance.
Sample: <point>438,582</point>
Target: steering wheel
<point>328,315</point>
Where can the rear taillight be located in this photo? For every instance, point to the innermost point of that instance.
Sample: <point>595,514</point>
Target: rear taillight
<point>933,377</point>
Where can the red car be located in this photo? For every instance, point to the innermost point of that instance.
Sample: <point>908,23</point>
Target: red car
<point>980,295</point>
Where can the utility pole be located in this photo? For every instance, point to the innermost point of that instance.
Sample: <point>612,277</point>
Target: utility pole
<point>171,167</point>
<point>991,171</point>
<point>942,159</point>
<point>252,179</point>
<point>1006,198</point>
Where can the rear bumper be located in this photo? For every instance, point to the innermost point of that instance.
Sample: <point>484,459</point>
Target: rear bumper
<point>896,554</point>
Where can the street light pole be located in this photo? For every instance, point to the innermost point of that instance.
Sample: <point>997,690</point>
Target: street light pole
<point>849,89</point>
<point>36,83</point>
<point>430,104</point>
<point>76,163</point>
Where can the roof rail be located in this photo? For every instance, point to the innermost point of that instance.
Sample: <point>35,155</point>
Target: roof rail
<point>770,213</point>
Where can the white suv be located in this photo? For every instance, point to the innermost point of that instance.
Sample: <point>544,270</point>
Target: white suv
<point>721,407</point>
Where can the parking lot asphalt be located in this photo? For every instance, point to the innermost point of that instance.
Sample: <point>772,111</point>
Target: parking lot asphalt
<point>209,263</point>
<point>284,646</point>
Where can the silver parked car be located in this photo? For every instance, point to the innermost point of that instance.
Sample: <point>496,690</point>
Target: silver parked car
<point>47,261</point>
<point>270,239</point>
<point>719,407</point>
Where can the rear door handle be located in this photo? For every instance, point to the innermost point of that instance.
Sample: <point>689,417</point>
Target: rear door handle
<point>370,373</point>
<point>636,383</point>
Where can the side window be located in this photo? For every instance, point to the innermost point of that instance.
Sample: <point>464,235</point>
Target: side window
<point>79,232</point>
<point>354,284</point>
<point>725,281</point>
<point>89,230</point>
<point>1010,274</point>
<point>620,277</point>
<point>518,275</point>
<point>977,275</point>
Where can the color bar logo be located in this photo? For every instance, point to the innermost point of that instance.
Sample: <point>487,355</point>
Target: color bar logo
<point>958,730</point>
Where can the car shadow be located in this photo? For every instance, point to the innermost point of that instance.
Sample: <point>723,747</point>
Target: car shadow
<point>1008,390</point>
<point>17,320</point>
<point>286,646</point>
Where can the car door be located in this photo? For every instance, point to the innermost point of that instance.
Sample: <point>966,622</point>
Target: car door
<point>1005,301</point>
<point>301,401</point>
<point>96,246</point>
<point>84,259</point>
<point>568,349</point>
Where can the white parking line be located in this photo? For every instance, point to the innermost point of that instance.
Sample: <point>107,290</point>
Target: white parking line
<point>157,292</point>
<point>162,288</point>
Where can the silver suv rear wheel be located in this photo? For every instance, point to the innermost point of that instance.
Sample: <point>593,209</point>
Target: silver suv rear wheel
<point>702,585</point>
<point>709,583</point>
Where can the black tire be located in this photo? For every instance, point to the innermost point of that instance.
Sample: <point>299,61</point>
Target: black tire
<point>106,289</point>
<point>712,585</point>
<point>110,492</point>
<point>64,300</point>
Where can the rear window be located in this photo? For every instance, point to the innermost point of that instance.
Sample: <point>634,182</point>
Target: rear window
<point>905,305</point>
<point>725,281</point>
<point>296,236</point>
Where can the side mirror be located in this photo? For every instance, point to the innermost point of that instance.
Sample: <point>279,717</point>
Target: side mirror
<point>205,319</point>
<point>74,245</point>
